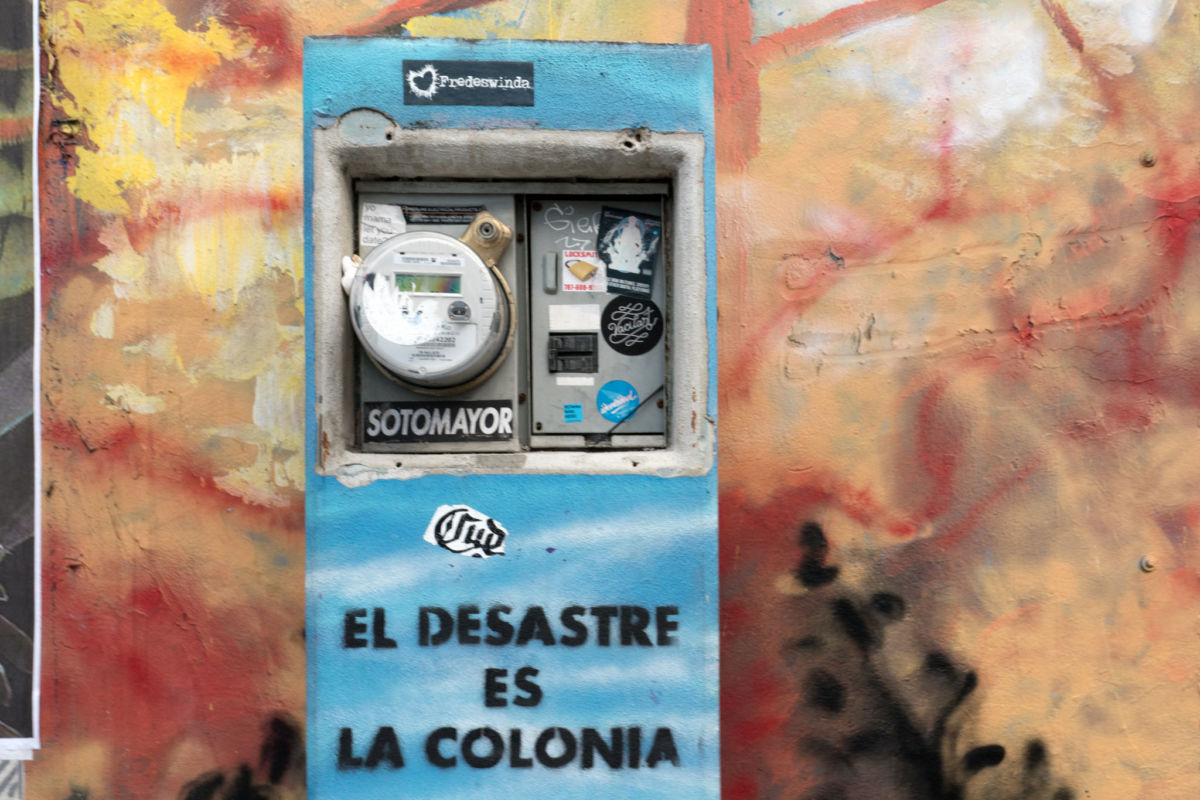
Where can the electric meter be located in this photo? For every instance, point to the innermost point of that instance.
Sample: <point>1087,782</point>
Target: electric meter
<point>433,312</point>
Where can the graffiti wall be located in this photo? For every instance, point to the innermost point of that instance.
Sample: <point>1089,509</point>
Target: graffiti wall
<point>957,267</point>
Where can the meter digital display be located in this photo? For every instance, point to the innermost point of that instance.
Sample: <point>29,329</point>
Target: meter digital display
<point>429,284</point>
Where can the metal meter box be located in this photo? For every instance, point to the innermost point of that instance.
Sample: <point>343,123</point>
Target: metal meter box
<point>459,338</point>
<point>511,511</point>
<point>581,364</point>
<point>597,326</point>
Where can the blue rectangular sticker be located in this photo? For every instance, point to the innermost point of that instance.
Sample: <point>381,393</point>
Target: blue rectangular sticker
<point>573,412</point>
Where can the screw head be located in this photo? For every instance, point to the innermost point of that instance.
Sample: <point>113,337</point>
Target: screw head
<point>1147,564</point>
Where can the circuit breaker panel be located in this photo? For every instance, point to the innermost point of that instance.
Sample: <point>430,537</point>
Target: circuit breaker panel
<point>550,335</point>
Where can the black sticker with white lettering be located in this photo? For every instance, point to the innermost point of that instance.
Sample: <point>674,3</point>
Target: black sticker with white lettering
<point>437,421</point>
<point>440,215</point>
<point>468,83</point>
<point>631,326</point>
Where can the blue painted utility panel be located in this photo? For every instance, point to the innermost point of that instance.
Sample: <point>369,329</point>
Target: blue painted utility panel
<point>583,661</point>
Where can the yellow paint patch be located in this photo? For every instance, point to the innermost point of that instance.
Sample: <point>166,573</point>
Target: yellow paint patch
<point>610,20</point>
<point>113,58</point>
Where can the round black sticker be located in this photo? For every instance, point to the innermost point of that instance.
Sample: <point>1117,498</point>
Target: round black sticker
<point>631,326</point>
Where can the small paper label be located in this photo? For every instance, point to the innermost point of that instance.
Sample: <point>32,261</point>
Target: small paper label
<point>574,380</point>
<point>426,260</point>
<point>573,412</point>
<point>441,215</point>
<point>580,317</point>
<point>379,222</point>
<point>452,342</point>
<point>583,271</point>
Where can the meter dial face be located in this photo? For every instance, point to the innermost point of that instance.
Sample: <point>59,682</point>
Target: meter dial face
<point>429,312</point>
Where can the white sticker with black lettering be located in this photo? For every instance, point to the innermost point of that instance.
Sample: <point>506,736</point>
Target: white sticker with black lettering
<point>463,530</point>
<point>453,342</point>
<point>378,222</point>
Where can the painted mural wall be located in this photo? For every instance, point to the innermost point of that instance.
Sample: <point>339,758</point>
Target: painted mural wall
<point>959,386</point>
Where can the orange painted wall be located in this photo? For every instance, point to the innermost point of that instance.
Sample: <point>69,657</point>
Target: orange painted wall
<point>959,292</point>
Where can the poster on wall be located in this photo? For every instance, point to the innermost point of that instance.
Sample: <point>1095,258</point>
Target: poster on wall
<point>19,541</point>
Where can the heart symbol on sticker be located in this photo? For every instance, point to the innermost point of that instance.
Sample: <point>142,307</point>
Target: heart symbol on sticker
<point>423,82</point>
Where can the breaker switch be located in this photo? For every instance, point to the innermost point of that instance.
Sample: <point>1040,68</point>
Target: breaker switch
<point>573,352</point>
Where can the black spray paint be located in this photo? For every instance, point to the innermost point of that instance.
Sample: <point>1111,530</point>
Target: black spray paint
<point>873,734</point>
<point>280,762</point>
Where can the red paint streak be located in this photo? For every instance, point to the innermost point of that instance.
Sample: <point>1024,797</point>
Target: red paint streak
<point>172,213</point>
<point>400,12</point>
<point>1186,583</point>
<point>772,526</point>
<point>277,57</point>
<point>727,27</point>
<point>834,25</point>
<point>144,671</point>
<point>1074,39</point>
<point>140,657</point>
<point>951,535</point>
<point>939,446</point>
<point>758,543</point>
<point>15,129</point>
<point>1172,187</point>
<point>1135,410</point>
<point>945,167</point>
<point>757,696</point>
<point>755,353</point>
<point>742,788</point>
<point>1173,229</point>
<point>284,200</point>
<point>1063,22</point>
<point>69,229</point>
<point>924,554</point>
<point>177,471</point>
<point>16,60</point>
